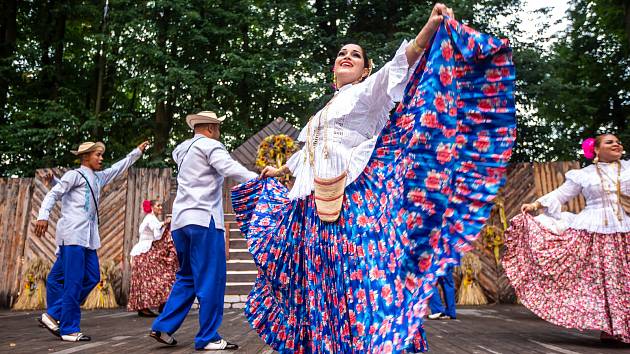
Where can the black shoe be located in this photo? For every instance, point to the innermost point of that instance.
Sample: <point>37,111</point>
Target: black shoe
<point>147,313</point>
<point>162,338</point>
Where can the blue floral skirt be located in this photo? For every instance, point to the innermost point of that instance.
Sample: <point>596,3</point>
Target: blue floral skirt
<point>361,284</point>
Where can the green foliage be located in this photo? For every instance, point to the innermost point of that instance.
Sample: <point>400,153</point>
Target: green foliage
<point>71,74</point>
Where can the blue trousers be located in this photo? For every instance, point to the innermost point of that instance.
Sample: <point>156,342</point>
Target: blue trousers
<point>201,255</point>
<point>72,277</point>
<point>448,288</point>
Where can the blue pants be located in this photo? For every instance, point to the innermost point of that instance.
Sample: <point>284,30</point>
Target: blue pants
<point>72,277</point>
<point>201,255</point>
<point>448,287</point>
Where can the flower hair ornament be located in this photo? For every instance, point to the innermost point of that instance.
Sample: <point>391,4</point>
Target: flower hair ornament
<point>588,147</point>
<point>146,206</point>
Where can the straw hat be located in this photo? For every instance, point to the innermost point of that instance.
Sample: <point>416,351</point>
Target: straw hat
<point>203,117</point>
<point>88,146</point>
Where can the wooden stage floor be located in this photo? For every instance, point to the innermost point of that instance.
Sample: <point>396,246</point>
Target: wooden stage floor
<point>504,329</point>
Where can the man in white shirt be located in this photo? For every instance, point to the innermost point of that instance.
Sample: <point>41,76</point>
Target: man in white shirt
<point>76,271</point>
<point>198,233</point>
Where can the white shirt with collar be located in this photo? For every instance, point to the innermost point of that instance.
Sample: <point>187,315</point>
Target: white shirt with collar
<point>203,164</point>
<point>350,126</point>
<point>78,224</point>
<point>151,229</point>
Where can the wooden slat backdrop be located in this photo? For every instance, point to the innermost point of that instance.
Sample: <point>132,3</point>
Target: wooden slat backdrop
<point>14,207</point>
<point>121,215</point>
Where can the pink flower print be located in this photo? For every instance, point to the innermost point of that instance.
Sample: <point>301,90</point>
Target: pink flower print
<point>432,182</point>
<point>429,120</point>
<point>484,105</point>
<point>417,196</point>
<point>362,220</point>
<point>387,295</point>
<point>447,50</point>
<point>444,153</point>
<point>440,103</point>
<point>493,75</point>
<point>471,43</point>
<point>446,75</point>
<point>490,90</point>
<point>482,143</point>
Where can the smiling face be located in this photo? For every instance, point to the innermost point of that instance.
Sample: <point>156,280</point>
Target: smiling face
<point>350,65</point>
<point>156,207</point>
<point>608,148</point>
<point>93,160</point>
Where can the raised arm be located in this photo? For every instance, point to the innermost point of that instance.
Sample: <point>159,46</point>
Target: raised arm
<point>417,46</point>
<point>554,200</point>
<point>121,166</point>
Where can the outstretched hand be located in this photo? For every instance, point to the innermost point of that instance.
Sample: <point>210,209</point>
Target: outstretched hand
<point>529,207</point>
<point>435,19</point>
<point>270,171</point>
<point>143,145</point>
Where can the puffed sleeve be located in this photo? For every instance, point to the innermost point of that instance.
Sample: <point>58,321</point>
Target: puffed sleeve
<point>570,189</point>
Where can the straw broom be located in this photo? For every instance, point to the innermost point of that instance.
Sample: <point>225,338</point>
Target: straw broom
<point>32,296</point>
<point>470,292</point>
<point>102,296</point>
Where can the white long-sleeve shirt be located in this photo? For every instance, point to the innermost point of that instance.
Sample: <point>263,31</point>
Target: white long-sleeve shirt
<point>151,229</point>
<point>78,224</point>
<point>200,181</point>
<point>355,117</point>
<point>601,203</point>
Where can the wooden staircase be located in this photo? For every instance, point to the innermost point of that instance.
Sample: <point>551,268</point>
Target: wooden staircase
<point>241,271</point>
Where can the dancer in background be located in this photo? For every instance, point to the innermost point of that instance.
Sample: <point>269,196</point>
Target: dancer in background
<point>153,263</point>
<point>76,270</point>
<point>198,232</point>
<point>574,270</point>
<point>438,309</point>
<point>381,205</point>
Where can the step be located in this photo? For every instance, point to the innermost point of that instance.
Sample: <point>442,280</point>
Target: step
<point>233,267</point>
<point>240,254</point>
<point>241,277</point>
<point>238,243</point>
<point>241,289</point>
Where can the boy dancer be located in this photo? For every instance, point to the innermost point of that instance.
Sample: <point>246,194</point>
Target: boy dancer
<point>76,271</point>
<point>198,232</point>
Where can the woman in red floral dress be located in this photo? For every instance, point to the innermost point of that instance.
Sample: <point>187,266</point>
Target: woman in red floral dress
<point>153,263</point>
<point>574,270</point>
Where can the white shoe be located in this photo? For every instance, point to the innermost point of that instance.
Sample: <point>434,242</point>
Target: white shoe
<point>435,316</point>
<point>163,338</point>
<point>50,324</point>
<point>75,337</point>
<point>221,344</point>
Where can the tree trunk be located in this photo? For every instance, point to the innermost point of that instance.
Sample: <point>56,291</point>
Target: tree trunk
<point>163,109</point>
<point>8,34</point>
<point>626,20</point>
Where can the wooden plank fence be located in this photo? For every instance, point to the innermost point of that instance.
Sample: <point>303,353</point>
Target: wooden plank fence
<point>121,215</point>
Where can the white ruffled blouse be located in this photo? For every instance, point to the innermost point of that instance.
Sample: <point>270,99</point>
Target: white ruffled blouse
<point>151,229</point>
<point>355,117</point>
<point>601,203</point>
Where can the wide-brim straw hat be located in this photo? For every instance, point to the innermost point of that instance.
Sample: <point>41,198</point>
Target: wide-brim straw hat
<point>88,146</point>
<point>203,117</point>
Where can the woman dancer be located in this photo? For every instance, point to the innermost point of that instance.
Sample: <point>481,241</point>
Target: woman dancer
<point>153,263</point>
<point>573,270</point>
<point>350,267</point>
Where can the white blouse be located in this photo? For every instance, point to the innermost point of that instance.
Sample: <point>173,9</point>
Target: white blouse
<point>600,205</point>
<point>355,117</point>
<point>151,229</point>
